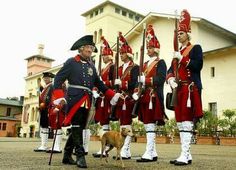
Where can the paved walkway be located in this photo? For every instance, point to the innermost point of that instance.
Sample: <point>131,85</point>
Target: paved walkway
<point>17,153</point>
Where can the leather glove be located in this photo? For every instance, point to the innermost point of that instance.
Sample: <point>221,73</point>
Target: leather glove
<point>141,79</point>
<point>95,94</point>
<point>177,55</point>
<point>117,82</point>
<point>172,83</point>
<point>115,99</point>
<point>135,96</point>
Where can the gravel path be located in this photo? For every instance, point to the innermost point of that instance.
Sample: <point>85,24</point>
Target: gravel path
<point>17,153</point>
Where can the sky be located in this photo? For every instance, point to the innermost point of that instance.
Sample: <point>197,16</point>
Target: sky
<point>58,24</point>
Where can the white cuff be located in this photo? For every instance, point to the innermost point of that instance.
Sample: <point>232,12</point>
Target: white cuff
<point>58,101</point>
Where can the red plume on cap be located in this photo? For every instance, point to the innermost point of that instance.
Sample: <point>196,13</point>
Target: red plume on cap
<point>124,46</point>
<point>184,21</point>
<point>151,39</point>
<point>106,50</point>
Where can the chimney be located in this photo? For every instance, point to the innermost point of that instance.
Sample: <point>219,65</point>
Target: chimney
<point>22,99</point>
<point>40,48</point>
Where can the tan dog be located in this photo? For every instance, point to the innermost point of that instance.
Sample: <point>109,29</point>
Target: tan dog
<point>115,139</point>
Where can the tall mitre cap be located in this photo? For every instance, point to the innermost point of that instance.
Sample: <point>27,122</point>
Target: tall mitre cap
<point>151,39</point>
<point>124,46</point>
<point>184,22</point>
<point>106,50</point>
<point>85,40</point>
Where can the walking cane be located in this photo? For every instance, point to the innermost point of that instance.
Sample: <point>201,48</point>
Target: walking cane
<point>55,135</point>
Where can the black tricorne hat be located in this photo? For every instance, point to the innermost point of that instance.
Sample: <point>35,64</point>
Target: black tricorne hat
<point>48,74</point>
<point>85,40</point>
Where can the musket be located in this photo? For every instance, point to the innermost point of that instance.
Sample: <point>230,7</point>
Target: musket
<point>100,62</point>
<point>140,85</point>
<point>115,76</point>
<point>175,62</point>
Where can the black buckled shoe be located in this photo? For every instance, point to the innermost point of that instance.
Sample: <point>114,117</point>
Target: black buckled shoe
<point>178,163</point>
<point>154,158</point>
<point>174,161</point>
<point>145,160</point>
<point>97,155</point>
<point>40,150</point>
<point>123,158</point>
<point>54,151</point>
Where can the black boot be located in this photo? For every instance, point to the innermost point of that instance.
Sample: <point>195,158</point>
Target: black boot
<point>77,134</point>
<point>67,158</point>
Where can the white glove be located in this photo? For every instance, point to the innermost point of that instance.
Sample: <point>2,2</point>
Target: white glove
<point>115,99</point>
<point>177,55</point>
<point>117,82</point>
<point>172,83</point>
<point>58,101</point>
<point>141,79</point>
<point>95,94</point>
<point>135,96</point>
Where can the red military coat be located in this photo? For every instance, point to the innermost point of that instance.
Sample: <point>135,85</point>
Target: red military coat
<point>128,79</point>
<point>103,106</point>
<point>151,102</point>
<point>189,104</point>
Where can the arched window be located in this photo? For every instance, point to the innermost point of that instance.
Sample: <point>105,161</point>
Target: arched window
<point>95,36</point>
<point>100,34</point>
<point>32,118</point>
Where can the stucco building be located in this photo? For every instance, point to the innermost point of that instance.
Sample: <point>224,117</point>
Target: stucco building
<point>108,18</point>
<point>10,117</point>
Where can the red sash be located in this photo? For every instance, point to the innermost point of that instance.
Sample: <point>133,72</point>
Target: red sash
<point>73,110</point>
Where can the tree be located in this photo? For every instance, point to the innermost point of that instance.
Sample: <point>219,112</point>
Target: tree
<point>229,122</point>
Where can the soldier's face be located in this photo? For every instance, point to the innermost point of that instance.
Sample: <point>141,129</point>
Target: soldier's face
<point>87,51</point>
<point>182,37</point>
<point>106,58</point>
<point>151,51</point>
<point>124,57</point>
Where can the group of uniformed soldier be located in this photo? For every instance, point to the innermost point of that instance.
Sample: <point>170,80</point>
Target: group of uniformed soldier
<point>116,91</point>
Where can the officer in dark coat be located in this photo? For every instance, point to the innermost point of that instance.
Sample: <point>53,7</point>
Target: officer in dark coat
<point>82,78</point>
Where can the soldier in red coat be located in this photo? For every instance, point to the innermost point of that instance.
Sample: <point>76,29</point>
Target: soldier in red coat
<point>47,118</point>
<point>187,80</point>
<point>103,106</point>
<point>151,110</point>
<point>128,76</point>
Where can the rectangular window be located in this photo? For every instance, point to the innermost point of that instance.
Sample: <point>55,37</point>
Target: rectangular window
<point>101,10</point>
<point>212,71</point>
<point>137,18</point>
<point>124,13</point>
<point>117,10</point>
<point>8,111</point>
<point>131,16</point>
<point>91,15</point>
<point>96,12</point>
<point>0,126</point>
<point>213,108</point>
<point>4,126</point>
